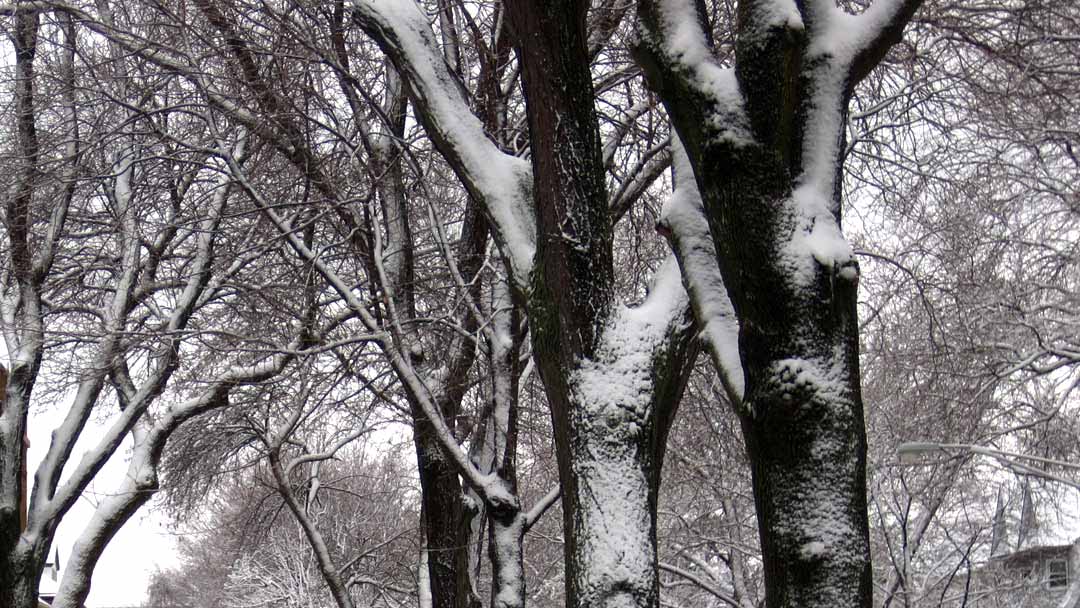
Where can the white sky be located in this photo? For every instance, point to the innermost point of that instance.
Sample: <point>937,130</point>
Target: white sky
<point>135,552</point>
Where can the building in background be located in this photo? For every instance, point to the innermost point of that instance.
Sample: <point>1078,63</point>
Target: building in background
<point>1031,565</point>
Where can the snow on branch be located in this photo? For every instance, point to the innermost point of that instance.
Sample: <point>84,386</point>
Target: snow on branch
<point>842,49</point>
<point>139,398</point>
<point>857,42</point>
<point>683,219</point>
<point>541,506</point>
<point>672,34</point>
<point>500,181</point>
<point>701,583</point>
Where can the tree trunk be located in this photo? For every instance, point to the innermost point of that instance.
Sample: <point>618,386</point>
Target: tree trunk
<point>609,441</point>
<point>21,559</point>
<point>765,144</point>
<point>442,516</point>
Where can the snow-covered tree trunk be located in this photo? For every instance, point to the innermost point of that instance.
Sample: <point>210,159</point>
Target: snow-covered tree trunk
<point>613,376</point>
<point>764,142</point>
<point>609,442</point>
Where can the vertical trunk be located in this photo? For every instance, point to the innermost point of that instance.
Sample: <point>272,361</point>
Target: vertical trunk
<point>609,446</point>
<point>442,515</point>
<point>507,560</point>
<point>765,143</point>
<point>802,412</point>
<point>612,380</point>
<point>21,559</point>
<point>807,450</point>
<point>611,532</point>
<point>24,572</point>
<point>507,526</point>
<point>606,532</point>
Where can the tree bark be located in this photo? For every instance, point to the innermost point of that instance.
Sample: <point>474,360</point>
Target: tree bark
<point>609,447</point>
<point>765,144</point>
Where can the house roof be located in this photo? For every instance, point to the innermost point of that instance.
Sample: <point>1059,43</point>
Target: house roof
<point>1034,553</point>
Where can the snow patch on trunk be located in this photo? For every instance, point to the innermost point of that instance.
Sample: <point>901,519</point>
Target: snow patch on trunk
<point>615,387</point>
<point>816,239</point>
<point>612,394</point>
<point>617,550</point>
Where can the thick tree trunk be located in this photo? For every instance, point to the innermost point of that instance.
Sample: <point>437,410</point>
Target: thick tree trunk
<point>606,523</point>
<point>507,560</point>
<point>802,411</point>
<point>611,557</point>
<point>25,576</point>
<point>765,144</point>
<point>609,440</point>
<point>442,515</point>
<point>609,443</point>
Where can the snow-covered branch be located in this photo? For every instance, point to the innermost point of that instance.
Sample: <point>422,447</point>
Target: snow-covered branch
<point>541,506</point>
<point>61,497</point>
<point>502,182</point>
<point>141,481</point>
<point>685,224</point>
<point>702,583</point>
<point>676,51</point>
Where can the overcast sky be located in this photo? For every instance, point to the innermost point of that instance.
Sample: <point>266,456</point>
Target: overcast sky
<point>137,550</point>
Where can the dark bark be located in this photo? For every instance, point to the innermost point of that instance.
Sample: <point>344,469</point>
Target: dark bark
<point>21,559</point>
<point>442,514</point>
<point>570,308</point>
<point>802,410</point>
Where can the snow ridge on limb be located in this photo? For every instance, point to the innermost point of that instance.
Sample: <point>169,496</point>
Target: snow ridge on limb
<point>503,183</point>
<point>672,33</point>
<point>841,49</point>
<point>683,222</point>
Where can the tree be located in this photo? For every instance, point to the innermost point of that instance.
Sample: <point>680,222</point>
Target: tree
<point>763,141</point>
<point>115,287</point>
<point>763,272</point>
<point>244,550</point>
<point>967,185</point>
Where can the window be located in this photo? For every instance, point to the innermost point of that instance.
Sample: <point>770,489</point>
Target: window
<point>1057,573</point>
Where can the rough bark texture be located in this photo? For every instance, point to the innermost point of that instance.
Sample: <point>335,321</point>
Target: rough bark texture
<point>609,453</point>
<point>802,410</point>
<point>442,515</point>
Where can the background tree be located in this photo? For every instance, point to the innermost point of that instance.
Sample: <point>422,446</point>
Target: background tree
<point>245,550</point>
<point>115,279</point>
<point>398,231</point>
<point>962,160</point>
